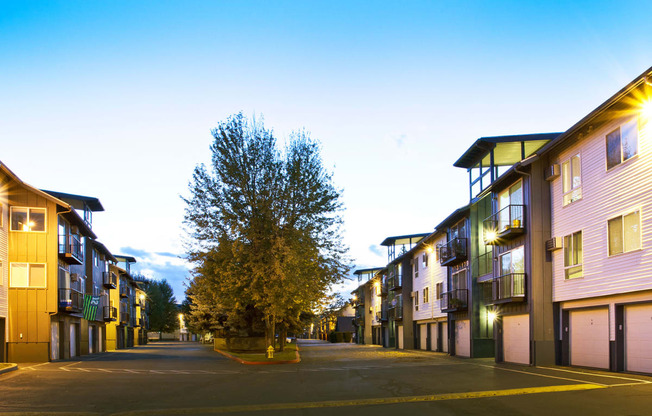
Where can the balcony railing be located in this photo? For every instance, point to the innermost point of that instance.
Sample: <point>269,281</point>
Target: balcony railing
<point>453,252</point>
<point>110,313</point>
<point>71,300</point>
<point>124,291</point>
<point>384,312</point>
<point>70,249</point>
<point>124,317</point>
<point>109,280</point>
<point>396,312</point>
<point>505,224</point>
<point>509,288</point>
<point>394,281</point>
<point>454,300</point>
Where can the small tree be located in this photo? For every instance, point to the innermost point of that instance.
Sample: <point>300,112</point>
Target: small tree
<point>162,306</point>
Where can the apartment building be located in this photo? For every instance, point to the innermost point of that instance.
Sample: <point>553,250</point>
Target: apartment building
<point>600,176</point>
<point>429,280</point>
<point>120,333</point>
<point>5,179</point>
<point>367,303</point>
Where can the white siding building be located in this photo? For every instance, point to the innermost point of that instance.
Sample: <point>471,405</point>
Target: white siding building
<point>601,221</point>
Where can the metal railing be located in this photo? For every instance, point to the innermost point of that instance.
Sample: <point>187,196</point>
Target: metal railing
<point>455,249</point>
<point>510,218</point>
<point>110,313</point>
<point>71,300</point>
<point>508,287</point>
<point>110,279</point>
<point>70,245</point>
<point>453,300</point>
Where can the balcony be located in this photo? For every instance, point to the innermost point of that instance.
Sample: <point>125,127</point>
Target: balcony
<point>384,313</point>
<point>383,288</point>
<point>396,312</point>
<point>454,300</point>
<point>453,252</point>
<point>508,288</point>
<point>110,313</point>
<point>124,318</point>
<point>505,224</point>
<point>109,280</point>
<point>394,282</point>
<point>71,300</point>
<point>124,291</point>
<point>378,316</point>
<point>70,249</point>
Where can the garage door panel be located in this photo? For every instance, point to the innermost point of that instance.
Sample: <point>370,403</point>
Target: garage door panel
<point>638,338</point>
<point>462,338</point>
<point>589,338</point>
<point>423,336</point>
<point>516,339</point>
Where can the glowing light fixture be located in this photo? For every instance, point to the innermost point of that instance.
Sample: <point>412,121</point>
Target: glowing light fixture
<point>491,316</point>
<point>490,236</point>
<point>181,317</point>
<point>355,297</point>
<point>646,109</point>
<point>429,249</point>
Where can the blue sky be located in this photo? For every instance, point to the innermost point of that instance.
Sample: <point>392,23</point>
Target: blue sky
<point>116,99</point>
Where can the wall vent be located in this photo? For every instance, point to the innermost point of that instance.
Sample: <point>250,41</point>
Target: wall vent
<point>552,172</point>
<point>553,244</point>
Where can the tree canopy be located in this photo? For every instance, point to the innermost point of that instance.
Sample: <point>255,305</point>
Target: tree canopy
<point>264,228</point>
<point>163,309</point>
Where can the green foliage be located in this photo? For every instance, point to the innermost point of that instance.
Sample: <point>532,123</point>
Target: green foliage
<point>163,311</point>
<point>264,229</point>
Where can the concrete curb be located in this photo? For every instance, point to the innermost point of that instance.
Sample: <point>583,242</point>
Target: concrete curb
<point>241,361</point>
<point>12,367</point>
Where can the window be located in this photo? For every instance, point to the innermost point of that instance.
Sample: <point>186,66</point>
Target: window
<point>425,295</point>
<point>416,298</point>
<point>571,180</point>
<point>27,219</point>
<point>624,233</point>
<point>438,290</point>
<point>458,280</point>
<point>573,255</point>
<point>27,275</point>
<point>416,268</point>
<point>424,260</point>
<point>622,143</point>
<point>512,262</point>
<point>511,197</point>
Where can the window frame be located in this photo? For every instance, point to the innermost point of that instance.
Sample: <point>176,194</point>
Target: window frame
<point>29,210</point>
<point>426,295</point>
<point>620,139</point>
<point>500,260</point>
<point>622,236</point>
<point>569,267</point>
<point>29,269</point>
<point>572,189</point>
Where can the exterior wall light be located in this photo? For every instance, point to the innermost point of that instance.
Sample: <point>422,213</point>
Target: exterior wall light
<point>491,316</point>
<point>490,236</point>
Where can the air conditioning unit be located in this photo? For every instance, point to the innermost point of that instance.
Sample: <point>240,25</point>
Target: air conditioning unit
<point>553,244</point>
<point>74,277</point>
<point>552,172</point>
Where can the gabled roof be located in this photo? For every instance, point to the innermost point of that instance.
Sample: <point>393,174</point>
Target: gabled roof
<point>68,210</point>
<point>78,201</point>
<point>403,239</point>
<point>483,145</point>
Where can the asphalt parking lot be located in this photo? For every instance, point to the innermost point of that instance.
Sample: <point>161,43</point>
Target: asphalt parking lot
<point>189,378</point>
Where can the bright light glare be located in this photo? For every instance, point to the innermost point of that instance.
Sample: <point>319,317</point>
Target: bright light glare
<point>429,249</point>
<point>646,110</point>
<point>491,316</point>
<point>490,235</point>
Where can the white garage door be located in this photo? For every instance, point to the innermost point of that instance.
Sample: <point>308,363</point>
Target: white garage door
<point>433,337</point>
<point>589,338</point>
<point>638,338</point>
<point>516,339</point>
<point>424,336</point>
<point>400,337</point>
<point>444,336</point>
<point>462,338</point>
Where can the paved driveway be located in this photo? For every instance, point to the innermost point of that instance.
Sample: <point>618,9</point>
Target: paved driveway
<point>189,378</point>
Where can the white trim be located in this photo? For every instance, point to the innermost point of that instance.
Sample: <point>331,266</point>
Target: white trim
<point>640,231</point>
<point>45,219</point>
<point>45,268</point>
<point>572,189</point>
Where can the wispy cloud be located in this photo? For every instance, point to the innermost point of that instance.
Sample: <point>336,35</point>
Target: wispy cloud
<point>159,266</point>
<point>376,250</point>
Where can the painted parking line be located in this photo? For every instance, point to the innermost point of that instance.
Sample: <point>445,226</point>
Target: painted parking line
<point>361,402</point>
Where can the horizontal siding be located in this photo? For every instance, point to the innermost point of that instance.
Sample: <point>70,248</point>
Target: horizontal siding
<point>605,194</point>
<point>4,258</point>
<point>429,277</point>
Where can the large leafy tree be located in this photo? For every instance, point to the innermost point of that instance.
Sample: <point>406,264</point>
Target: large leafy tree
<point>162,306</point>
<point>264,227</point>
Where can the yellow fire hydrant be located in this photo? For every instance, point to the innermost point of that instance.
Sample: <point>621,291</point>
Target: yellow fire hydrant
<point>270,352</point>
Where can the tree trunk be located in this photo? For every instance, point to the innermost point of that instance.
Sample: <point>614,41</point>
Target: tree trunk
<point>283,334</point>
